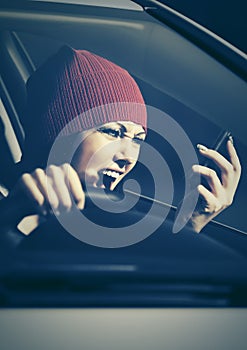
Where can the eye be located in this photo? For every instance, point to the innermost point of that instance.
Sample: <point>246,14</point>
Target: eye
<point>114,132</point>
<point>111,132</point>
<point>138,140</point>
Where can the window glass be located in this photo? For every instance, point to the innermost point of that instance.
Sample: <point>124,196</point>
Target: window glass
<point>198,127</point>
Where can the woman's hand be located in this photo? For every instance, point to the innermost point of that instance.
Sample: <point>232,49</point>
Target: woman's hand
<point>222,190</point>
<point>56,188</point>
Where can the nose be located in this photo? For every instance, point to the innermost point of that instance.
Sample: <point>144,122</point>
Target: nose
<point>121,162</point>
<point>122,159</point>
<point>125,157</point>
<point>126,154</point>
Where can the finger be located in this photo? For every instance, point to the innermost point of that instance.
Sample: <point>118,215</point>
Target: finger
<point>211,177</point>
<point>212,205</point>
<point>74,185</point>
<point>233,157</point>
<point>45,186</point>
<point>231,179</point>
<point>52,200</point>
<point>60,189</point>
<point>40,178</point>
<point>224,165</point>
<point>29,187</point>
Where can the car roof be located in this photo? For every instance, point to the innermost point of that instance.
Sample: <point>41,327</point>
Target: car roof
<point>120,4</point>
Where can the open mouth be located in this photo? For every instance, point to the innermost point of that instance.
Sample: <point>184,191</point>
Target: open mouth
<point>109,177</point>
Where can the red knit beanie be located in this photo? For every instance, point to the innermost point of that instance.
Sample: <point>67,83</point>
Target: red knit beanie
<point>75,81</point>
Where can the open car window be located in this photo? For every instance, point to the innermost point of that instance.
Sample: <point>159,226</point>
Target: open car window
<point>174,75</point>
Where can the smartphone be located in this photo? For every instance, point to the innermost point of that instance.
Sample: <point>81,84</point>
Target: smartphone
<point>219,146</point>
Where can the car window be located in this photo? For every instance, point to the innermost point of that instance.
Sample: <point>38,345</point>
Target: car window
<point>197,126</point>
<point>174,75</point>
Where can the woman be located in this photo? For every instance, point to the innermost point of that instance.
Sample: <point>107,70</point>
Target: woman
<point>77,93</point>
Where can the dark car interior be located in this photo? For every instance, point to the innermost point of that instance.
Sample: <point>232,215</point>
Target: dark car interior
<point>52,268</point>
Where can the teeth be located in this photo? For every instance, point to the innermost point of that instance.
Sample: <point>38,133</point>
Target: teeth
<point>110,173</point>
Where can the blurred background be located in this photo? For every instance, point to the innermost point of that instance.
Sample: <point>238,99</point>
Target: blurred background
<point>225,18</point>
